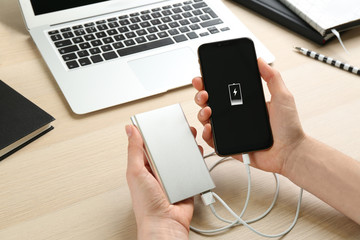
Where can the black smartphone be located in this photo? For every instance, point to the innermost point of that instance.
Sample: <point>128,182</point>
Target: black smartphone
<point>239,119</point>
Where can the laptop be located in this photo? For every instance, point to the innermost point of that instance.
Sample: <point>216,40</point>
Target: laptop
<point>104,53</point>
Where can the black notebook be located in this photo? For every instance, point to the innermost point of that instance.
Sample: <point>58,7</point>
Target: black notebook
<point>21,121</point>
<point>278,12</point>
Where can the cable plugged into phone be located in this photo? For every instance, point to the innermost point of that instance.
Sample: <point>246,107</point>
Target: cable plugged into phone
<point>209,198</point>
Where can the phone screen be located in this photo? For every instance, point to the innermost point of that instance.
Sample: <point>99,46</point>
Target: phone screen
<point>240,121</point>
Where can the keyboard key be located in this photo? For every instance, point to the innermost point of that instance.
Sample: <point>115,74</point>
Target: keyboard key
<point>204,34</point>
<point>134,27</point>
<point>94,51</point>
<point>124,22</point>
<point>186,15</point>
<point>118,45</point>
<point>140,39</point>
<point>79,32</point>
<point>96,59</point>
<point>213,30</point>
<point>69,57</point>
<point>177,10</point>
<point>144,47</point>
<point>135,20</point>
<point>130,35</point>
<point>96,43</point>
<point>129,42</point>
<point>68,35</point>
<point>195,20</point>
<point>210,12</point>
<point>184,29</point>
<point>187,8</point>
<point>83,53</point>
<point>204,17</point>
<point>77,27</point>
<point>184,22</point>
<point>197,12</point>
<point>106,48</point>
<point>100,22</point>
<point>110,55</point>
<point>119,37</point>
<point>145,24</point>
<point>84,45</point>
<point>134,14</point>
<point>152,29</point>
<point>113,25</point>
<point>123,16</point>
<point>174,25</point>
<point>145,17</point>
<point>224,29</point>
<point>102,27</point>
<point>72,64</point>
<point>192,35</point>
<point>108,40</point>
<point>84,61</point>
<point>162,34</point>
<point>176,17</point>
<point>194,27</point>
<point>123,29</point>
<point>156,15</point>
<point>155,22</point>
<point>211,23</point>
<point>65,29</point>
<point>180,38</point>
<point>151,37</point>
<point>173,32</point>
<point>89,24</point>
<point>199,5</point>
<point>141,32</point>
<point>78,40</point>
<point>166,19</point>
<point>163,27</point>
<point>156,9</point>
<point>101,34</point>
<point>69,49</point>
<point>166,13</point>
<point>145,12</point>
<point>56,37</point>
<point>91,29</point>
<point>112,19</point>
<point>89,37</point>
<point>53,32</point>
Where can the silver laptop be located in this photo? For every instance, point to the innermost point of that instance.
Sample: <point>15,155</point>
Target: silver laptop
<point>107,52</point>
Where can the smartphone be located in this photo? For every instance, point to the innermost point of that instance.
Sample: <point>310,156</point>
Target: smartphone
<point>239,120</point>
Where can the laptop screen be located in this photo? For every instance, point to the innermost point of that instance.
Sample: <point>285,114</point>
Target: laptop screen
<point>46,6</point>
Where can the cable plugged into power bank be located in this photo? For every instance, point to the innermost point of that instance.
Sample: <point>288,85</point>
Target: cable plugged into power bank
<point>209,198</point>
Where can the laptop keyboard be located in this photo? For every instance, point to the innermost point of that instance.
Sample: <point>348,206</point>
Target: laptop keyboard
<point>115,37</point>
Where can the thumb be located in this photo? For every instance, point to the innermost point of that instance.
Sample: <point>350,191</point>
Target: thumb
<point>272,77</point>
<point>135,151</point>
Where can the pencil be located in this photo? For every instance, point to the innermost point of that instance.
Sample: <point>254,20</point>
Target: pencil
<point>329,60</point>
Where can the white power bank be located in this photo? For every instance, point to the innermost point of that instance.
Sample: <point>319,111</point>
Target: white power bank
<point>173,153</point>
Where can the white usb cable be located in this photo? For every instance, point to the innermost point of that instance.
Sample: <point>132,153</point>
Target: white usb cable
<point>209,198</point>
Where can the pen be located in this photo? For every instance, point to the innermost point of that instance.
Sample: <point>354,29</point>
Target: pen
<point>329,60</point>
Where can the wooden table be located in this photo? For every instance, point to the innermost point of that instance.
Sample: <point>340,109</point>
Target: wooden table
<point>70,184</point>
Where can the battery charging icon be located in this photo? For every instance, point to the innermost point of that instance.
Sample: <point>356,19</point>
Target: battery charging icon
<point>235,94</point>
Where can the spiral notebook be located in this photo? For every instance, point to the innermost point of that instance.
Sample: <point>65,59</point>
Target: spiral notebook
<point>326,16</point>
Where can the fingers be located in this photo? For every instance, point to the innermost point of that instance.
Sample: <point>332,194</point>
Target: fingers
<point>207,135</point>
<point>135,151</point>
<point>198,84</point>
<point>204,115</point>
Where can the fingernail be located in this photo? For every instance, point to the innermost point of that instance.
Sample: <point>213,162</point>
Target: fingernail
<point>198,97</point>
<point>201,112</point>
<point>128,130</point>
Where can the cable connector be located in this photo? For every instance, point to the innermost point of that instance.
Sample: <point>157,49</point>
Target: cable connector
<point>207,198</point>
<point>246,159</point>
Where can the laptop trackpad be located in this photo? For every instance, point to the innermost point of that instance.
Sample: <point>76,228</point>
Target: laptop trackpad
<point>166,70</point>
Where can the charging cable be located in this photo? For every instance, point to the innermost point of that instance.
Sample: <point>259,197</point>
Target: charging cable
<point>209,197</point>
